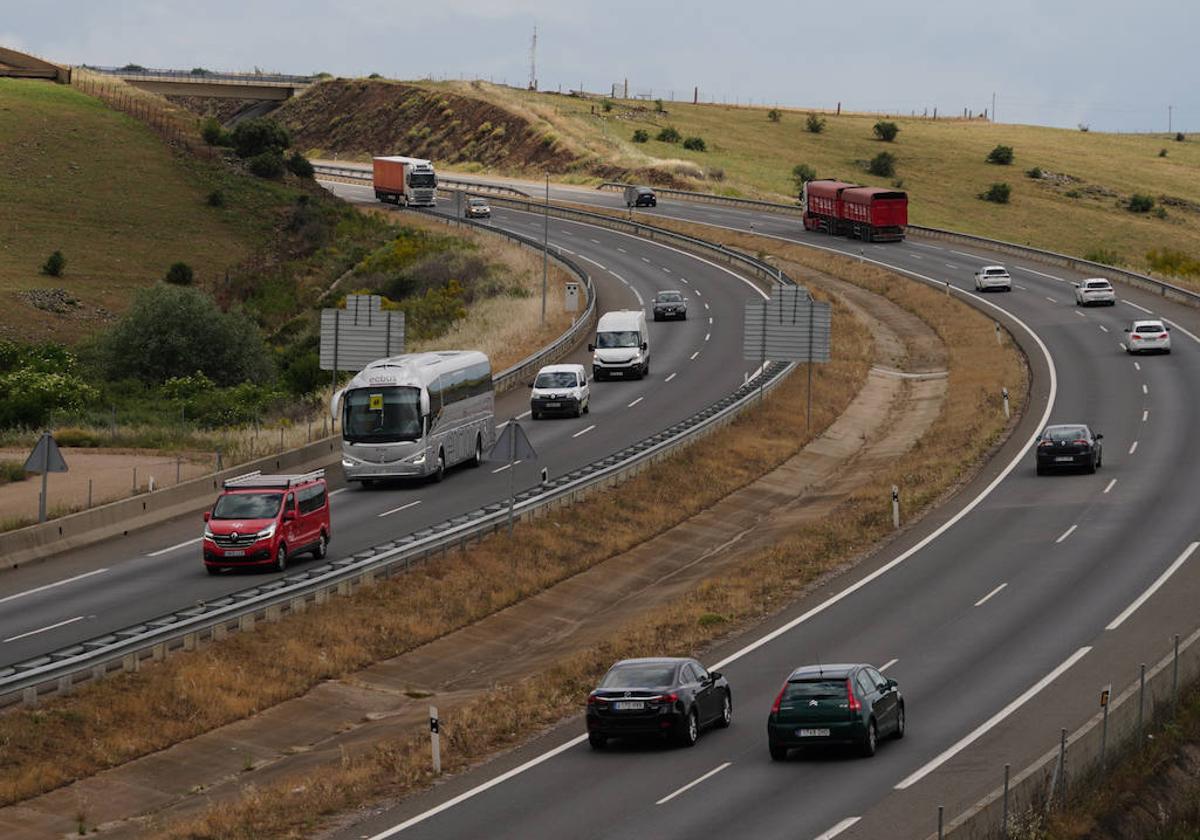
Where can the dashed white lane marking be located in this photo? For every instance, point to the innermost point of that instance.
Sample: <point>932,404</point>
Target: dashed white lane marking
<point>667,270</point>
<point>593,262</point>
<point>692,784</point>
<point>916,256</point>
<point>44,629</point>
<point>1022,288</point>
<point>1133,447</point>
<point>1121,344</point>
<point>1145,390</point>
<point>1154,587</point>
<point>965,254</point>
<point>402,507</point>
<point>622,250</point>
<point>175,547</point>
<point>1137,366</point>
<point>635,402</point>
<point>927,247</point>
<point>707,336</point>
<point>888,664</point>
<point>1111,483</point>
<point>1041,274</point>
<point>1080,314</point>
<point>1103,328</point>
<point>698,293</point>
<point>951,265</point>
<point>567,233</point>
<point>1066,533</point>
<point>990,595</point>
<point>1137,307</point>
<point>837,829</point>
<point>506,466</point>
<point>1052,300</point>
<point>1145,414</point>
<point>645,259</point>
<point>694,355</point>
<point>596,241</point>
<point>710,320</point>
<point>62,582</point>
<point>669,378</point>
<point>584,431</point>
<point>706,306</point>
<point>683,280</point>
<point>991,722</point>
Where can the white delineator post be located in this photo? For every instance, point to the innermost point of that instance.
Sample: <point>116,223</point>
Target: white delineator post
<point>895,506</point>
<point>435,738</point>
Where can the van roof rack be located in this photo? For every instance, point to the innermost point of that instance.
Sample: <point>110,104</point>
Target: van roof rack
<point>256,480</point>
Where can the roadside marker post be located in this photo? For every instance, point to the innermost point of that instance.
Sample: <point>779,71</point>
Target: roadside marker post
<point>1004,814</point>
<point>435,738</point>
<point>1007,409</point>
<point>895,507</point>
<point>1141,703</point>
<point>1105,694</point>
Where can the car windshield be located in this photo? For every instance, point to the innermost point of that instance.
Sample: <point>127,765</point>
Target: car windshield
<point>382,415</point>
<point>247,506</point>
<point>1150,328</point>
<point>622,338</point>
<point>652,675</point>
<point>422,179</point>
<point>814,689</point>
<point>555,379</point>
<point>669,297</point>
<point>1065,433</point>
<point>478,202</point>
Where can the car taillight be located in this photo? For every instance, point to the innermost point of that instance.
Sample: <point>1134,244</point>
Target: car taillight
<point>593,700</point>
<point>1162,335</point>
<point>668,698</point>
<point>1046,443</point>
<point>851,700</point>
<point>1136,337</point>
<point>1080,442</point>
<point>778,700</point>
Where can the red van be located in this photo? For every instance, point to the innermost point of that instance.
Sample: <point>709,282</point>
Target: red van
<point>262,520</point>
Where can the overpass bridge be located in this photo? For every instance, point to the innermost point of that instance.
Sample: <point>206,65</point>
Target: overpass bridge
<point>265,86</point>
<point>20,65</point>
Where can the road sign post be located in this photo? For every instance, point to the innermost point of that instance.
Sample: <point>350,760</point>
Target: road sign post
<point>513,446</point>
<point>789,327</point>
<point>45,459</point>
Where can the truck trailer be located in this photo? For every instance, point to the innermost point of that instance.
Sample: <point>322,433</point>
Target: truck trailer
<point>404,180</point>
<point>872,214</point>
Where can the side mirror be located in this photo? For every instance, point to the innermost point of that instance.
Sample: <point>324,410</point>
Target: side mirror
<point>714,675</point>
<point>1099,436</point>
<point>531,386</point>
<point>1165,327</point>
<point>207,515</point>
<point>892,684</point>
<point>645,346</point>
<point>591,348</point>
<point>289,515</point>
<point>1128,330</point>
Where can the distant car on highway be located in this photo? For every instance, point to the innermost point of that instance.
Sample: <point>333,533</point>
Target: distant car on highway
<point>1095,292</point>
<point>1148,337</point>
<point>663,697</point>
<point>1069,447</point>
<point>993,277</point>
<point>560,389</point>
<point>670,304</point>
<point>835,704</point>
<point>477,208</point>
<point>640,197</point>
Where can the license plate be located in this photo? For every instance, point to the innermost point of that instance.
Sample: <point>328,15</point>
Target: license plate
<point>1065,458</point>
<point>813,733</point>
<point>552,405</point>
<point>617,373</point>
<point>629,705</point>
<point>235,552</point>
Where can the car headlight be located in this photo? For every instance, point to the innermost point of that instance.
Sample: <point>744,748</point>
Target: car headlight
<point>208,534</point>
<point>416,459</point>
<point>266,533</point>
<point>346,462</point>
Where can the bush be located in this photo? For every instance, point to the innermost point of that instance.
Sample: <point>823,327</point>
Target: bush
<point>28,397</point>
<point>435,312</point>
<point>299,166</point>
<point>134,68</point>
<point>180,274</point>
<point>1035,172</point>
<point>1001,155</point>
<point>255,137</point>
<point>658,106</point>
<point>375,76</point>
<point>1103,255</point>
<point>1160,212</point>
<point>11,471</point>
<point>669,135</point>
<point>199,71</point>
<point>216,198</point>
<point>1179,138</point>
<point>802,173</point>
<point>641,135</point>
<point>234,406</point>
<point>301,373</point>
<point>55,264</point>
<point>774,115</point>
<point>606,105</point>
<point>213,133</point>
<point>695,144</point>
<point>1162,152</point>
<point>886,131</point>
<point>1167,261</point>
<point>998,193</point>
<point>1140,203</point>
<point>814,124</point>
<point>267,165</point>
<point>173,331</point>
<point>883,165</point>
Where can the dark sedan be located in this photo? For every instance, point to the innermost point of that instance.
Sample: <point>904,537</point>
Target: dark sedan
<point>834,704</point>
<point>664,697</point>
<point>670,304</point>
<point>1072,446</point>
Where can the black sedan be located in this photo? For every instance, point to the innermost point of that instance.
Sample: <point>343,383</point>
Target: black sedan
<point>664,697</point>
<point>834,704</point>
<point>1071,446</point>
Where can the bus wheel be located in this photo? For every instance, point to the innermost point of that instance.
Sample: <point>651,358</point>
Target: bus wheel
<point>478,459</point>
<point>440,472</point>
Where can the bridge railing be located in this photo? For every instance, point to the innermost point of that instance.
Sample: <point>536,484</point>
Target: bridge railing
<point>150,73</point>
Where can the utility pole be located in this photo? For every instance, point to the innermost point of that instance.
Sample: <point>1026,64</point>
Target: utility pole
<point>546,250</point>
<point>533,60</point>
<point>1170,108</point>
<point>993,107</point>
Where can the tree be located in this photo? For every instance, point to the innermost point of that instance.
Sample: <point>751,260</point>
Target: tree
<point>658,106</point>
<point>253,137</point>
<point>54,264</point>
<point>774,115</point>
<point>883,165</point>
<point>886,131</point>
<point>269,164</point>
<point>299,166</point>
<point>670,134</point>
<point>606,105</point>
<point>214,134</point>
<point>802,173</point>
<point>180,274</point>
<point>1001,155</point>
<point>814,124</point>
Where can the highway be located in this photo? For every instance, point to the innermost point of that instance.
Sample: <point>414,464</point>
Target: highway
<point>1001,615</point>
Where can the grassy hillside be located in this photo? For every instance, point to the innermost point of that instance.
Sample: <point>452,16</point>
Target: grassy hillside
<point>79,177</point>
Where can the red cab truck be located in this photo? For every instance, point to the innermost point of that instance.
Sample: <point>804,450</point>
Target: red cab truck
<point>411,182</point>
<point>872,214</point>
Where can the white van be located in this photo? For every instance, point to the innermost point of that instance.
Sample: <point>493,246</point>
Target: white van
<point>622,345</point>
<point>559,389</point>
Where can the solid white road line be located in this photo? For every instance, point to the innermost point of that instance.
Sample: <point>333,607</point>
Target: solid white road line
<point>987,725</point>
<point>1183,330</point>
<point>1145,415</point>
<point>888,664</point>
<point>692,784</point>
<point>44,629</point>
<point>669,378</point>
<point>694,355</point>
<point>1139,308</point>
<point>837,829</point>
<point>635,402</point>
<point>62,582</point>
<point>175,547</point>
<point>1133,447</point>
<point>584,431</point>
<point>1040,274</point>
<point>593,262</point>
<point>1111,484</point>
<point>989,596</point>
<point>1154,587</point>
<point>1066,534</point>
<point>402,507</point>
<point>638,295</point>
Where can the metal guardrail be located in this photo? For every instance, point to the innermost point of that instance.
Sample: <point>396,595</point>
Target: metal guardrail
<point>124,650</point>
<point>360,173</point>
<point>712,198</point>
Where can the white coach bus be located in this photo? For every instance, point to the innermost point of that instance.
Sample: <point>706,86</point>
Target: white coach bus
<point>416,415</point>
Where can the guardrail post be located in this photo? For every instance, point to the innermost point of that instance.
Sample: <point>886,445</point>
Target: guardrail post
<point>130,663</point>
<point>1062,763</point>
<point>435,740</point>
<point>29,698</point>
<point>159,652</point>
<point>941,818</point>
<point>343,587</point>
<point>1141,703</point>
<point>189,642</point>
<point>297,605</point>
<point>1175,678</point>
<point>1105,696</point>
<point>1004,813</point>
<point>274,613</point>
<point>895,507</point>
<point>999,338</point>
<point>219,631</point>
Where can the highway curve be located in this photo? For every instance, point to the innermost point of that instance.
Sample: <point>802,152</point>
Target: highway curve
<point>1001,614</point>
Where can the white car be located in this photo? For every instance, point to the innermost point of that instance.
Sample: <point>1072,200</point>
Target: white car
<point>1148,337</point>
<point>560,389</point>
<point>1096,291</point>
<point>993,277</point>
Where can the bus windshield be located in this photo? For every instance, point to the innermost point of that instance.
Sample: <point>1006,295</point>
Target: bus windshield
<point>422,179</point>
<point>623,338</point>
<point>382,415</point>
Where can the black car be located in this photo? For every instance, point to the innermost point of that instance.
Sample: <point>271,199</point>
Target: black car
<point>1071,446</point>
<point>834,704</point>
<point>665,697</point>
<point>640,197</point>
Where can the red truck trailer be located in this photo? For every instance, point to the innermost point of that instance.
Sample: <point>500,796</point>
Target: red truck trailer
<point>843,209</point>
<point>404,180</point>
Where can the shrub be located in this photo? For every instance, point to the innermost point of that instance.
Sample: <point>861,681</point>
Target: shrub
<point>299,165</point>
<point>898,184</point>
<point>669,135</point>
<point>1035,172</point>
<point>134,68</point>
<point>1160,212</point>
<point>802,173</point>
<point>432,314</point>
<point>267,165</point>
<point>1103,255</point>
<point>234,406</point>
<point>301,372</point>
<point>1001,155</point>
<point>199,71</point>
<point>1084,128</point>
<point>1162,152</point>
<point>55,264</point>
<point>1140,203</point>
<point>774,115</point>
<point>606,105</point>
<point>216,198</point>
<point>213,133</point>
<point>883,165</point>
<point>180,274</point>
<point>997,193</point>
<point>1167,261</point>
<point>28,396</point>
<point>641,135</point>
<point>814,124</point>
<point>886,130</point>
<point>695,144</point>
<point>255,137</point>
<point>1073,194</point>
<point>375,76</point>
<point>658,106</point>
<point>1179,138</point>
<point>11,471</point>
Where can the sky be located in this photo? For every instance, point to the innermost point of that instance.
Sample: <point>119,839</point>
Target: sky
<point>1111,65</point>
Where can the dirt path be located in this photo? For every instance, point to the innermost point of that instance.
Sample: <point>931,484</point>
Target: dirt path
<point>887,417</point>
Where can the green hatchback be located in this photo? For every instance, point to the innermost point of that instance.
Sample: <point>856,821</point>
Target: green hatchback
<point>835,704</point>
